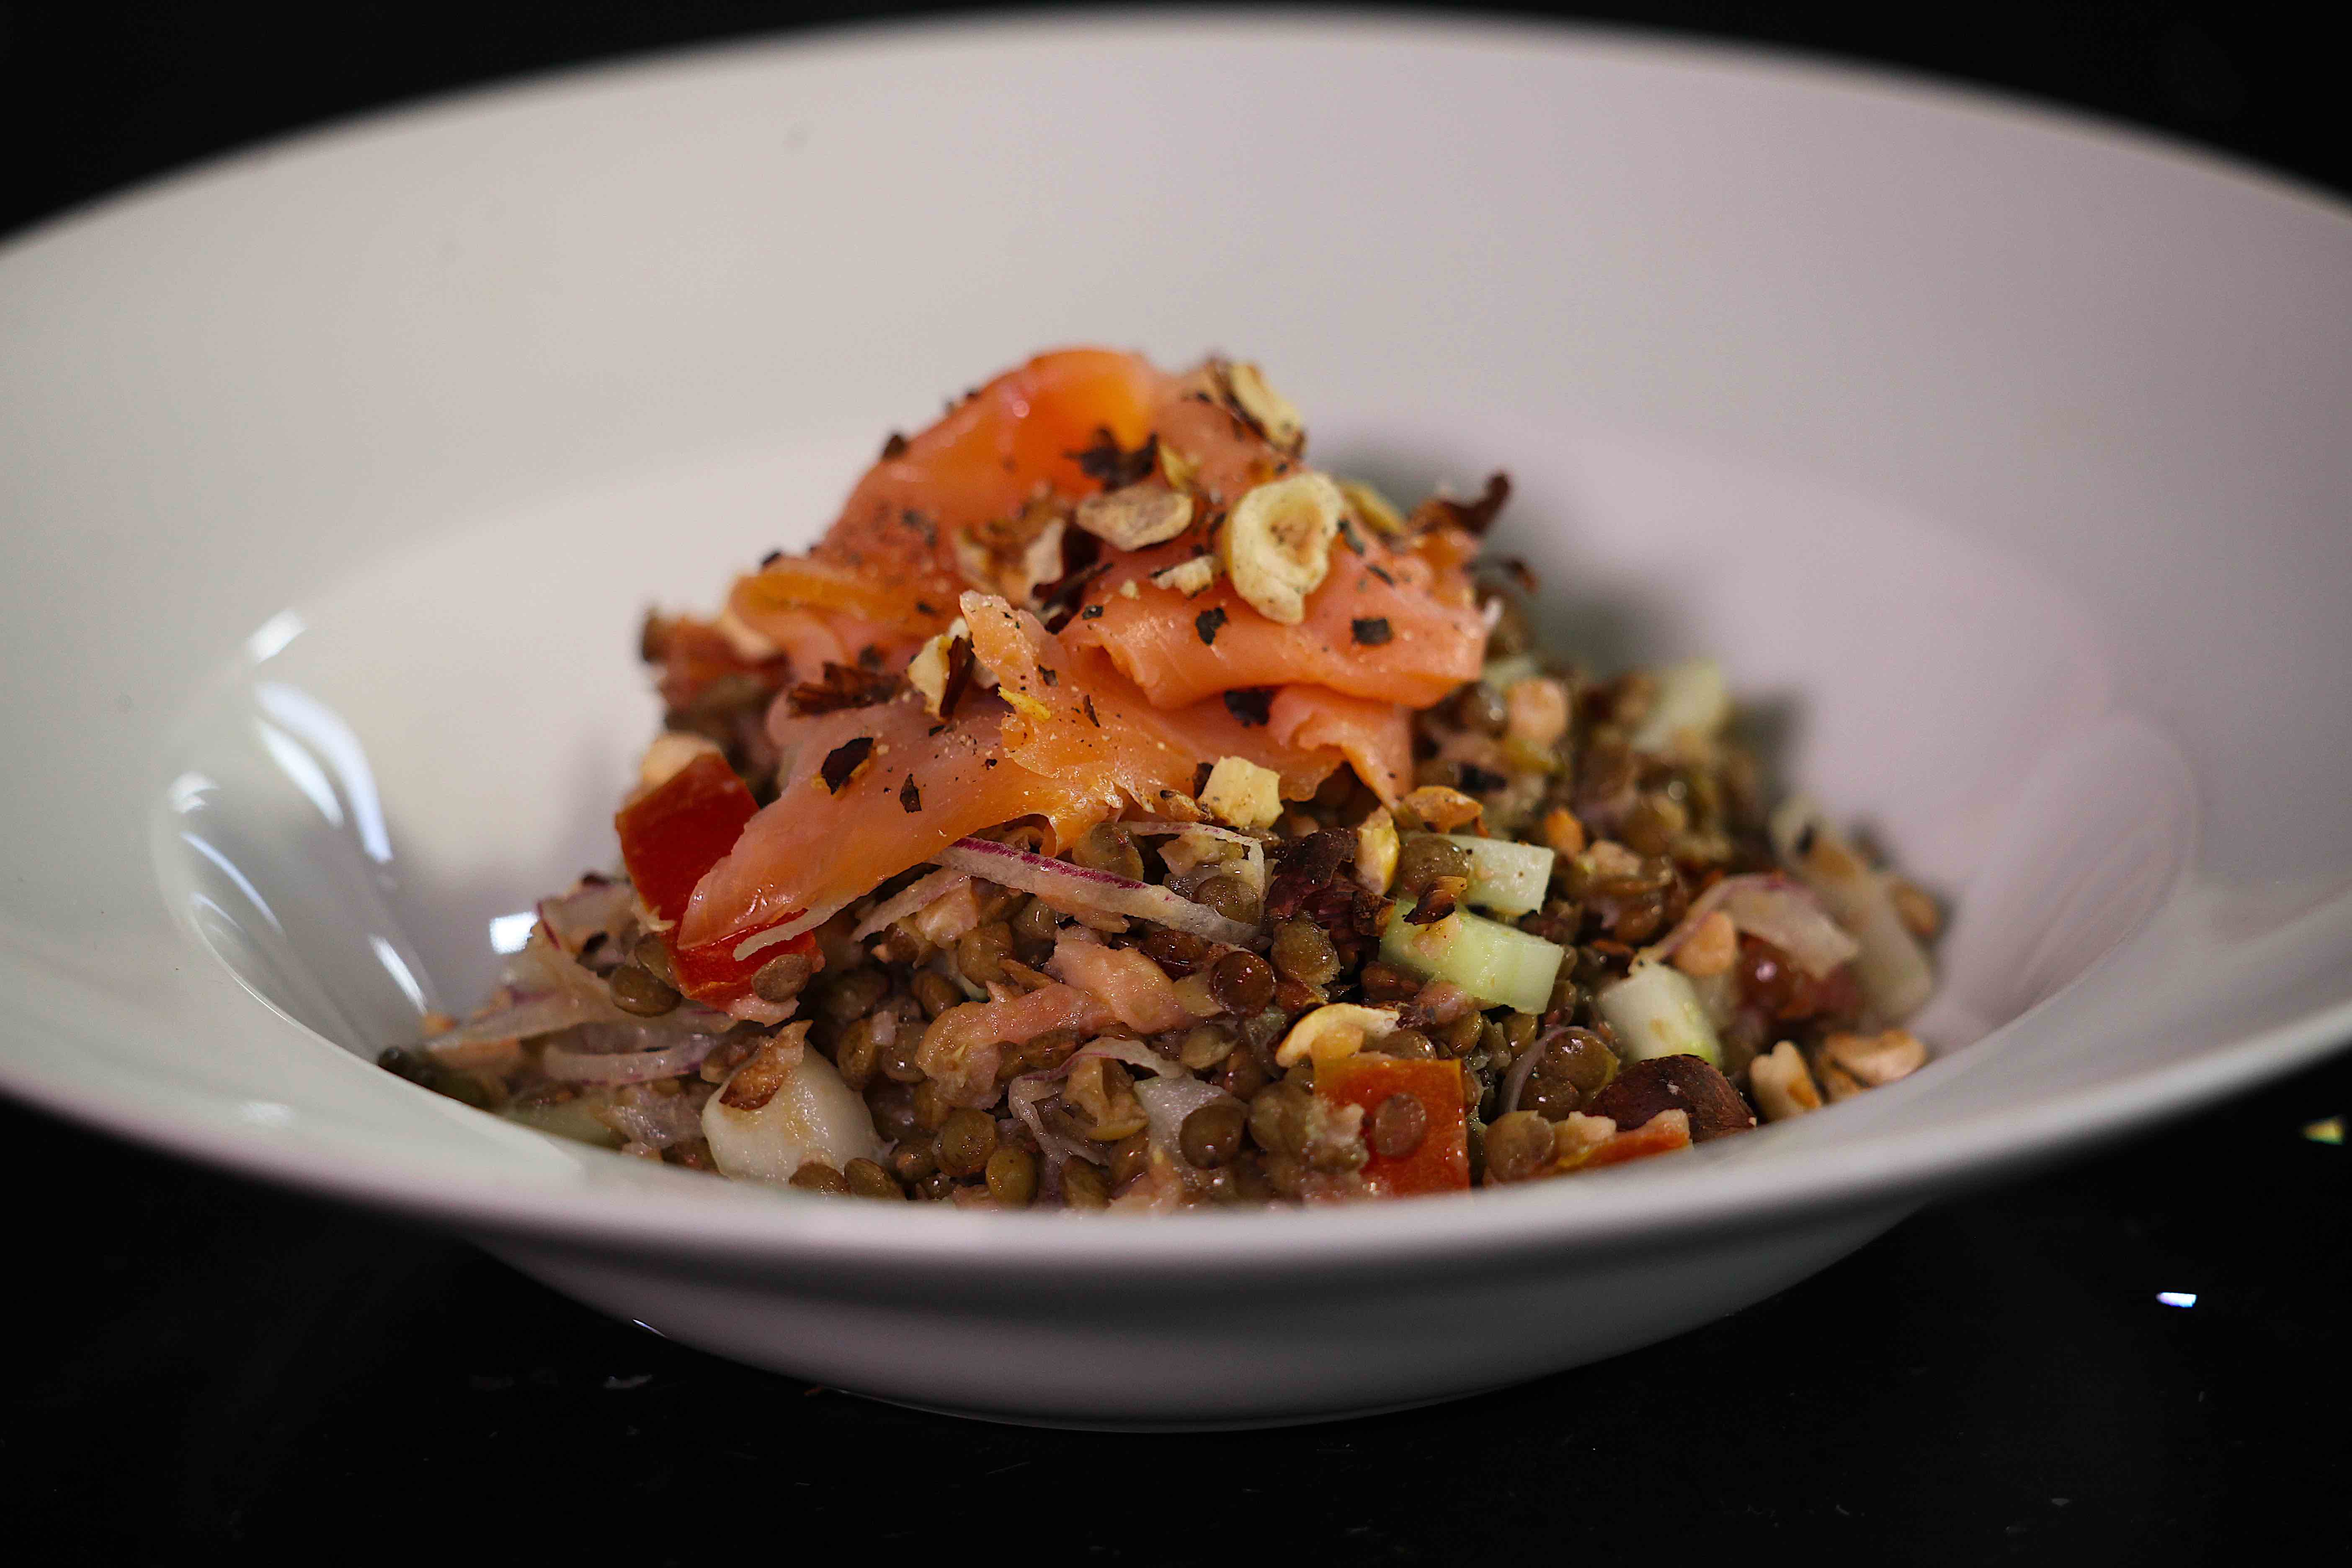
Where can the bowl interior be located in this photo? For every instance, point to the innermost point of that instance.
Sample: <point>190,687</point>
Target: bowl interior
<point>1999,457</point>
<point>365,806</point>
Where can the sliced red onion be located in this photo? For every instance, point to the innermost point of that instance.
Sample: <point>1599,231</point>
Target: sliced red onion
<point>1059,882</point>
<point>656,1121</point>
<point>1255,859</point>
<point>588,909</point>
<point>627,1067</point>
<point>807,920</point>
<point>1028,1093</point>
<point>526,1019</point>
<point>1778,908</point>
<point>1515,1082</point>
<point>909,899</point>
<point>1168,1101</point>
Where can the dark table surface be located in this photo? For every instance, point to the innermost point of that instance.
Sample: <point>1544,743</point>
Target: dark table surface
<point>2140,1359</point>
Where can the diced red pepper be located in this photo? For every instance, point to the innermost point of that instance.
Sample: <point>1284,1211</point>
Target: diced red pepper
<point>670,838</point>
<point>1440,1163</point>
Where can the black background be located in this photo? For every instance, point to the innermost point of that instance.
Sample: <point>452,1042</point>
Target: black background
<point>201,1361</point>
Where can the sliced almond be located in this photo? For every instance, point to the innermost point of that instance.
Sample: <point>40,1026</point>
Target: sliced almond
<point>1276,419</point>
<point>1334,1030</point>
<point>1878,1059</point>
<point>1189,577</point>
<point>1136,517</point>
<point>1371,508</point>
<point>1277,544</point>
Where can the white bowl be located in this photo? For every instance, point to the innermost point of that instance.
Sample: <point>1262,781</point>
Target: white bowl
<point>2001,455</point>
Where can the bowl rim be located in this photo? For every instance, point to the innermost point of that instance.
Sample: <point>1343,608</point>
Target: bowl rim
<point>1649,1209</point>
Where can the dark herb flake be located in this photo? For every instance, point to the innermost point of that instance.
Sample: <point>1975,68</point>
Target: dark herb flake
<point>842,686</point>
<point>911,798</point>
<point>841,763</point>
<point>1113,466</point>
<point>1371,631</point>
<point>1250,704</point>
<point>1207,623</point>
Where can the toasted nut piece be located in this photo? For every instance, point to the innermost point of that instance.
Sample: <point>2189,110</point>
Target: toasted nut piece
<point>1372,509</point>
<point>927,672</point>
<point>1277,544</point>
<point>1914,908</point>
<point>668,757</point>
<point>1537,707</point>
<point>1440,809</point>
<point>747,642</point>
<point>1710,948</point>
<point>1187,577</point>
<point>1276,419</point>
<point>1177,466</point>
<point>1334,1030</point>
<point>1243,794</point>
<point>1136,517</point>
<point>1836,1082</point>
<point>1577,1135</point>
<point>1562,831</point>
<point>1376,851</point>
<point>1607,857</point>
<point>1687,1084</point>
<point>1782,1086</point>
<point>1173,807</point>
<point>1876,1060</point>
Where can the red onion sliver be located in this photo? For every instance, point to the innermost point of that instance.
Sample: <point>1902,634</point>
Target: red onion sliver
<point>1779,909</point>
<point>627,1067</point>
<point>1059,882</point>
<point>1515,1082</point>
<point>910,899</point>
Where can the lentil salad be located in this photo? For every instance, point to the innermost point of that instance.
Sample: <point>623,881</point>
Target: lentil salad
<point>1115,812</point>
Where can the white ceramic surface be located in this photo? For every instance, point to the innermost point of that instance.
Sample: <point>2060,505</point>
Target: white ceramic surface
<point>2001,455</point>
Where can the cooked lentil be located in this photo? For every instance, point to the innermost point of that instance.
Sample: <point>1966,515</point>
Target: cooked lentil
<point>1620,847</point>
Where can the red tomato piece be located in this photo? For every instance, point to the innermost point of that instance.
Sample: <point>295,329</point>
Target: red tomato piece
<point>674,833</point>
<point>670,837</point>
<point>1440,1163</point>
<point>712,974</point>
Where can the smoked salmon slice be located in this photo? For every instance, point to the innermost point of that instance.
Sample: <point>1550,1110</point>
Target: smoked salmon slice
<point>1386,625</point>
<point>1113,693</point>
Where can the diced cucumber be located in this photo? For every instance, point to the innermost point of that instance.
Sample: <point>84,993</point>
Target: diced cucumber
<point>1655,1013</point>
<point>1500,673</point>
<point>1500,965</point>
<point>1691,699</point>
<point>566,1119</point>
<point>1505,876</point>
